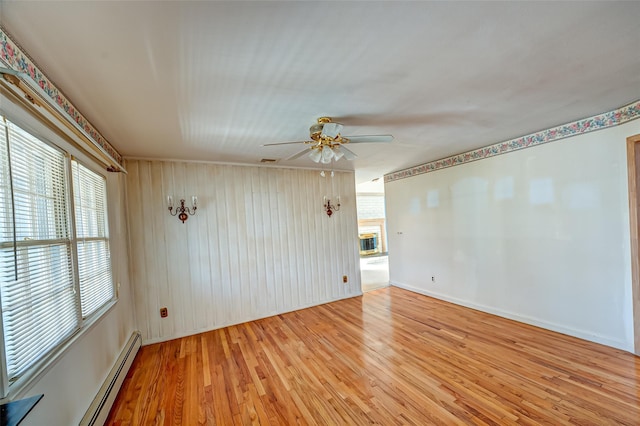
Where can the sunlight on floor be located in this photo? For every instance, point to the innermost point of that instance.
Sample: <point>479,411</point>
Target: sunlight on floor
<point>374,272</point>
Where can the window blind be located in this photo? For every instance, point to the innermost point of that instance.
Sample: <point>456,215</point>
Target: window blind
<point>39,307</point>
<point>94,264</point>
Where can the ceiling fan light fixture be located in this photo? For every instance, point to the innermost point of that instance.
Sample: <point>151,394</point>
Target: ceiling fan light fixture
<point>337,152</point>
<point>327,143</point>
<point>332,130</point>
<point>327,155</point>
<point>315,155</point>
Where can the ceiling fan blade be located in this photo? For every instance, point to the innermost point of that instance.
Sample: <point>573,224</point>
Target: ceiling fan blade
<point>285,143</point>
<point>369,139</point>
<point>298,155</point>
<point>348,154</point>
<point>331,130</point>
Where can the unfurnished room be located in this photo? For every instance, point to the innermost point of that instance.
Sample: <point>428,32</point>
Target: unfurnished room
<point>319,212</point>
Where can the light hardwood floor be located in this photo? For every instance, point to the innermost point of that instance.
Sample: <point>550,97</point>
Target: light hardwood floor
<point>389,357</point>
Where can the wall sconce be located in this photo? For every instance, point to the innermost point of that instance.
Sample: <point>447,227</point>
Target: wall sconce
<point>182,211</point>
<point>330,208</point>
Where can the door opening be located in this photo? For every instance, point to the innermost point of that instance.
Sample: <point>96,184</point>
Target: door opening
<point>633,168</point>
<point>374,260</point>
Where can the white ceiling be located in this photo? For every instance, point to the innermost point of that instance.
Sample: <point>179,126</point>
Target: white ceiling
<point>216,80</point>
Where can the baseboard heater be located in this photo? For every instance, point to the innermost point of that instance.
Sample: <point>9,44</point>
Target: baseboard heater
<point>98,411</point>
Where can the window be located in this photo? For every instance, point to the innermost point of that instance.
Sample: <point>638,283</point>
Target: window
<point>55,268</point>
<point>94,264</point>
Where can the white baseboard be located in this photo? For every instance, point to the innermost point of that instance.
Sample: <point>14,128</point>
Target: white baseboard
<point>559,328</point>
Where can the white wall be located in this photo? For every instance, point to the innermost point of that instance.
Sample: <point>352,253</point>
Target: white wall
<point>260,244</point>
<point>539,235</point>
<point>74,380</point>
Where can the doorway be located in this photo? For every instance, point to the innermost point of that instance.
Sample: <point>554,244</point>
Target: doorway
<point>374,259</point>
<point>633,168</point>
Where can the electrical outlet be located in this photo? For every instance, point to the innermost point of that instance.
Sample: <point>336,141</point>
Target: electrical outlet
<point>345,279</point>
<point>164,312</point>
<point>433,279</point>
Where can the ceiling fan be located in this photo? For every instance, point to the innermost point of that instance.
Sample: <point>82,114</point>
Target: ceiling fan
<point>327,143</point>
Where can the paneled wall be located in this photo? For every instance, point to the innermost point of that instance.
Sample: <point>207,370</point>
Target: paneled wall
<point>260,244</point>
<point>539,235</point>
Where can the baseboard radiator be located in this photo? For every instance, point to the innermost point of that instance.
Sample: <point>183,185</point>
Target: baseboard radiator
<point>98,411</point>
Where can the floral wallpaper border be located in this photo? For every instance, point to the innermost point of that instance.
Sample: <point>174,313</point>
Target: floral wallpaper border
<point>14,58</point>
<point>597,122</point>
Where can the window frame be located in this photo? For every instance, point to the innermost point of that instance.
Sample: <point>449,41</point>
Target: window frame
<point>53,136</point>
<point>75,240</point>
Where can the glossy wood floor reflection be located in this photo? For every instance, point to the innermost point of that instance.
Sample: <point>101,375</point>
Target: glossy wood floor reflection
<point>389,357</point>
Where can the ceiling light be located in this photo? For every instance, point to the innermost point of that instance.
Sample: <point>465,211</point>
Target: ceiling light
<point>337,152</point>
<point>327,155</point>
<point>315,155</point>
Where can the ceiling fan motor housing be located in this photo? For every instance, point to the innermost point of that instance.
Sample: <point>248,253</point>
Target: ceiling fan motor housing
<point>316,129</point>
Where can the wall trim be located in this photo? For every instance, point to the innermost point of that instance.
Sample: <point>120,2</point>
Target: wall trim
<point>15,58</point>
<point>537,322</point>
<point>602,121</point>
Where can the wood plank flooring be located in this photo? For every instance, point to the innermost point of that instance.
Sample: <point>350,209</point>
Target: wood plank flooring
<point>389,357</point>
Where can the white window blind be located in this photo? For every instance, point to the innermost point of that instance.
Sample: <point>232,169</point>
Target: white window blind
<point>55,266</point>
<point>94,265</point>
<point>39,307</point>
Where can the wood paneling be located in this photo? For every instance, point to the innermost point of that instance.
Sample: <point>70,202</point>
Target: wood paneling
<point>260,244</point>
<point>388,357</point>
